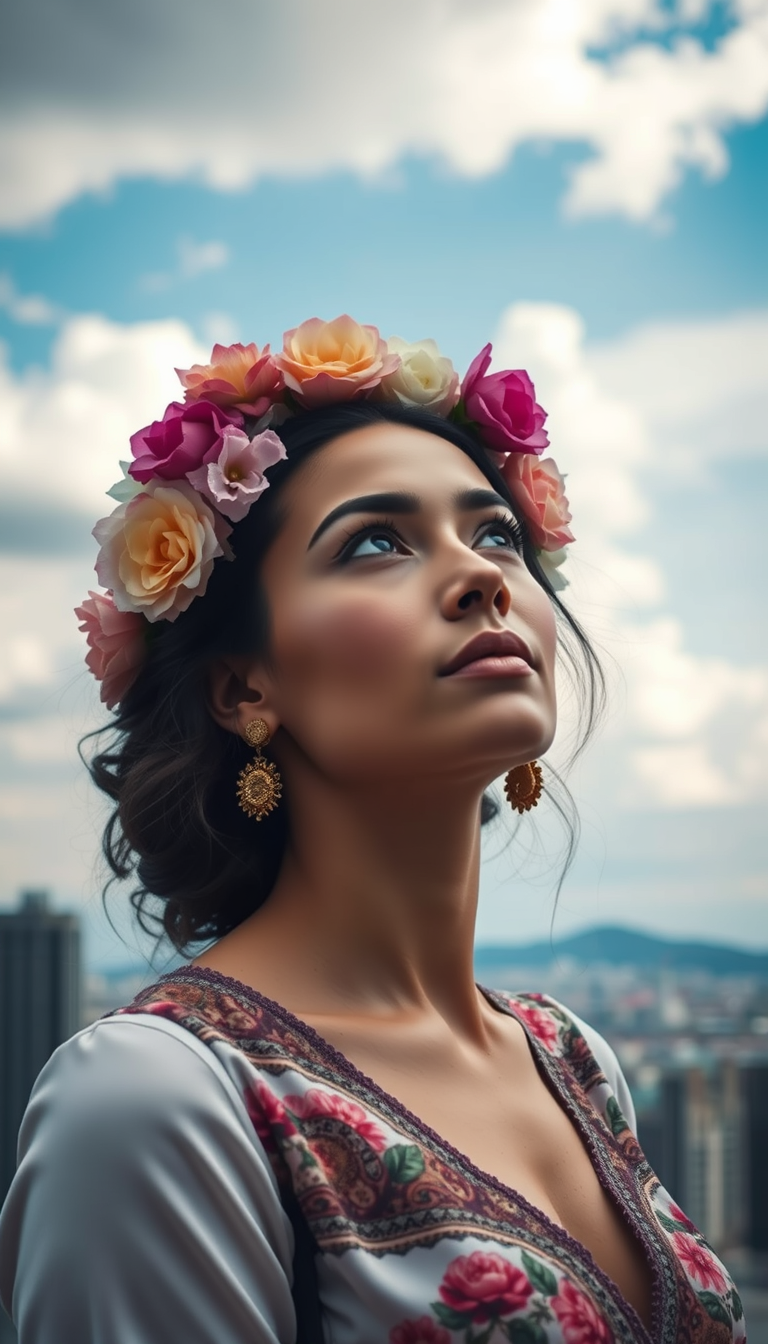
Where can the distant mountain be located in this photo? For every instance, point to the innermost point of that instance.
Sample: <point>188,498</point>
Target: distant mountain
<point>626,947</point>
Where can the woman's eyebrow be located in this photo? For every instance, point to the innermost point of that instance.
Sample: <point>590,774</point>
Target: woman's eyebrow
<point>480,499</point>
<point>390,501</point>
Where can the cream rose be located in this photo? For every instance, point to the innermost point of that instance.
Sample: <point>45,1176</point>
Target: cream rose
<point>326,362</point>
<point>425,377</point>
<point>157,551</point>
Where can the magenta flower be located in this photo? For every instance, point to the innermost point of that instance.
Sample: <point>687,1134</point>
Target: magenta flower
<point>116,645</point>
<point>504,407</point>
<point>186,437</point>
<point>234,479</point>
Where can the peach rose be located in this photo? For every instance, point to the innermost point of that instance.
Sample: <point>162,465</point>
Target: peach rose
<point>539,490</point>
<point>333,361</point>
<point>425,377</point>
<point>238,375</point>
<point>157,551</point>
<point>116,645</point>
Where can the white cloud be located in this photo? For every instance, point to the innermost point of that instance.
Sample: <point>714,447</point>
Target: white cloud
<point>694,727</point>
<point>332,87</point>
<point>28,309</point>
<point>193,259</point>
<point>63,431</point>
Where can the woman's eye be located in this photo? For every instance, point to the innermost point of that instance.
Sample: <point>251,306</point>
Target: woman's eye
<point>499,535</point>
<point>375,543</point>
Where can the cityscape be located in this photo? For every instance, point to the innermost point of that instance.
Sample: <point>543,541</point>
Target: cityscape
<point>689,1023</point>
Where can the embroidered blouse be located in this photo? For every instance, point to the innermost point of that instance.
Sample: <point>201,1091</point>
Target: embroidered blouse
<point>162,1146</point>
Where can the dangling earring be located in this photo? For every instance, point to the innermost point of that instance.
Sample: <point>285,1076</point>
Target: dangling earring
<point>259,786</point>
<point>523,786</point>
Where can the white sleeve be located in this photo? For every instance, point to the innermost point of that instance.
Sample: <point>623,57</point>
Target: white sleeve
<point>144,1209</point>
<point>606,1058</point>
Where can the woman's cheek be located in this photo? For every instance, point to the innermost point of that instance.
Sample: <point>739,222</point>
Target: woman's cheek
<point>356,639</point>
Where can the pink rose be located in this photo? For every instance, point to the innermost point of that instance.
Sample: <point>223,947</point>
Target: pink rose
<point>315,1102</point>
<point>582,1323</point>
<point>423,1331</point>
<point>157,550</point>
<point>504,407</point>
<point>539,490</point>
<point>699,1262</point>
<point>185,438</point>
<point>266,1112</point>
<point>324,362</point>
<point>677,1213</point>
<point>238,375</point>
<point>540,1025</point>
<point>234,479</point>
<point>116,645</point>
<point>484,1285</point>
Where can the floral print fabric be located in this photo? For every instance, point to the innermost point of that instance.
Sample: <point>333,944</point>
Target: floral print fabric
<point>418,1246</point>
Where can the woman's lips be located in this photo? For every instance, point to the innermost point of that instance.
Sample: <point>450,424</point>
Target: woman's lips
<point>494,653</point>
<point>506,666</point>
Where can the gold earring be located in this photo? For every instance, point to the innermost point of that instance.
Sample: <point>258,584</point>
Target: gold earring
<point>259,786</point>
<point>523,786</point>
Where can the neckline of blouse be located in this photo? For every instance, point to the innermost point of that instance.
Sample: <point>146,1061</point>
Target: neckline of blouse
<point>347,1069</point>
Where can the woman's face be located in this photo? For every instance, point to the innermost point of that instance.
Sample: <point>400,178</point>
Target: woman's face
<point>395,554</point>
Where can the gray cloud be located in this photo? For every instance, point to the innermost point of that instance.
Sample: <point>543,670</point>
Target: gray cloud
<point>95,93</point>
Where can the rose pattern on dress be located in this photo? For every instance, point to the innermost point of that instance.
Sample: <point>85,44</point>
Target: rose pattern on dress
<point>422,1331</point>
<point>393,1187</point>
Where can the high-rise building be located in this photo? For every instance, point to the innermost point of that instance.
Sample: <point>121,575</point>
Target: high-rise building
<point>39,1006</point>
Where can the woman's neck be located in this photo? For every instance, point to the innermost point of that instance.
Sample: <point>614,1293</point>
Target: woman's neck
<point>373,912</point>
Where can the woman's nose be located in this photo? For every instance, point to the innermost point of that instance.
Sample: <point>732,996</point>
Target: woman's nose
<point>484,587</point>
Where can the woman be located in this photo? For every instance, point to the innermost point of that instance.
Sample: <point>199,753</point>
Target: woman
<point>322,1128</point>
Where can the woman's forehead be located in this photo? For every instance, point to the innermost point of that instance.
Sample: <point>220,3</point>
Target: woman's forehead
<point>382,457</point>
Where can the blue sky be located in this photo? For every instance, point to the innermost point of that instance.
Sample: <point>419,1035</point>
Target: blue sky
<point>607,233</point>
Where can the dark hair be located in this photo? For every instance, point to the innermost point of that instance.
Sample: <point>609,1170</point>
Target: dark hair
<point>199,865</point>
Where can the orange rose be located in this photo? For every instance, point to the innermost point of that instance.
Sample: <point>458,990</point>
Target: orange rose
<point>157,551</point>
<point>238,375</point>
<point>333,361</point>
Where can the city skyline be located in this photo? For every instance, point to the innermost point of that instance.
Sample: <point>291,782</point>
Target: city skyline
<point>589,196</point>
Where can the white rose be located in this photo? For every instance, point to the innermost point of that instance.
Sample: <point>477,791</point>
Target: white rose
<point>550,562</point>
<point>424,377</point>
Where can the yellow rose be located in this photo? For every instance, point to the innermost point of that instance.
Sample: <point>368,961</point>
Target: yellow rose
<point>157,550</point>
<point>333,361</point>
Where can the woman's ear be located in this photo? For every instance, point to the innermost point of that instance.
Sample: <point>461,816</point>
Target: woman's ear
<point>239,693</point>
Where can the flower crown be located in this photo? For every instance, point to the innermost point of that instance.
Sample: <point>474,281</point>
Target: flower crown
<point>203,466</point>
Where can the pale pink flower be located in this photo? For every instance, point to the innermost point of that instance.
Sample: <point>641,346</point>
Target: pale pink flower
<point>157,550</point>
<point>539,491</point>
<point>484,1285</point>
<point>425,378</point>
<point>580,1319</point>
<point>324,362</point>
<point>699,1262</point>
<point>238,375</point>
<point>185,438</point>
<point>234,479</point>
<point>315,1102</point>
<point>116,645</point>
<point>503,405</point>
